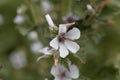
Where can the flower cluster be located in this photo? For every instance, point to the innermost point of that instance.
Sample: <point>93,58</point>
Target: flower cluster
<point>63,41</point>
<point>60,45</point>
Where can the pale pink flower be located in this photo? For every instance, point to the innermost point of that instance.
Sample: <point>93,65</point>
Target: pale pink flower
<point>36,46</point>
<point>64,41</point>
<point>18,59</point>
<point>33,35</point>
<point>62,73</point>
<point>19,19</point>
<point>46,6</point>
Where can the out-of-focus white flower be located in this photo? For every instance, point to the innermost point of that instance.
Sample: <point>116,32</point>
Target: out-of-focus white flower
<point>64,40</point>
<point>46,6</point>
<point>46,79</point>
<point>46,51</point>
<point>19,19</point>
<point>33,35</point>
<point>18,59</point>
<point>21,9</point>
<point>90,8</point>
<point>36,46</point>
<point>69,18</point>
<point>50,21</point>
<point>61,73</point>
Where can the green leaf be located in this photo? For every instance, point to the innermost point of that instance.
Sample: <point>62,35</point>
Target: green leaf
<point>83,78</point>
<point>111,10</point>
<point>82,58</point>
<point>24,29</point>
<point>64,61</point>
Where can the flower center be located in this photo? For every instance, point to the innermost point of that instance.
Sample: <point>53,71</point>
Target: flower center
<point>63,74</point>
<point>61,39</point>
<point>70,19</point>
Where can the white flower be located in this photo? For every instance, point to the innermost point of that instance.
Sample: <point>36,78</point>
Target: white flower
<point>46,6</point>
<point>19,19</point>
<point>18,59</point>
<point>63,41</point>
<point>46,51</point>
<point>33,35</point>
<point>61,73</point>
<point>36,46</point>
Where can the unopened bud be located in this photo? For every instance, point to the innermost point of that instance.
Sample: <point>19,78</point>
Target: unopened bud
<point>50,21</point>
<point>90,8</point>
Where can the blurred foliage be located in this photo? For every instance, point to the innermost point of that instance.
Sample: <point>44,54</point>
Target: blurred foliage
<point>99,57</point>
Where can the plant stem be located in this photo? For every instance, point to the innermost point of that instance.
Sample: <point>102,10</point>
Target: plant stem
<point>70,6</point>
<point>32,11</point>
<point>66,6</point>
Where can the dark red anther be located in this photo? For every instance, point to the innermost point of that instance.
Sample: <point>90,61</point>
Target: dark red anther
<point>63,74</point>
<point>70,19</point>
<point>61,39</point>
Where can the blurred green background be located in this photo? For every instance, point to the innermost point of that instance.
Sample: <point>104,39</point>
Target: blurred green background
<point>102,59</point>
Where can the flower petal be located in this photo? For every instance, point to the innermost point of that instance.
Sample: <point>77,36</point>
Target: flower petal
<point>55,71</point>
<point>74,72</point>
<point>72,46</point>
<point>54,43</point>
<point>46,51</point>
<point>19,19</point>
<point>49,20</point>
<point>41,57</point>
<point>62,28</point>
<point>63,51</point>
<point>73,34</point>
